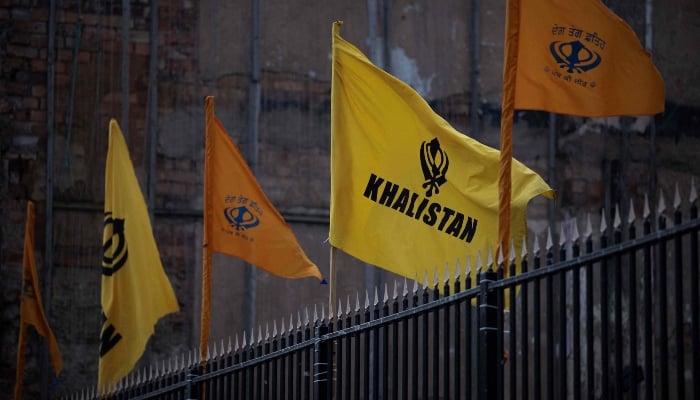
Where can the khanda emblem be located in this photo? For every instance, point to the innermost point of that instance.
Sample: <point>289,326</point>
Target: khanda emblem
<point>434,162</point>
<point>114,251</point>
<point>574,56</point>
<point>241,218</point>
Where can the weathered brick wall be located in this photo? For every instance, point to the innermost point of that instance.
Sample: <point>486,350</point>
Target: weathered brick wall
<point>205,51</point>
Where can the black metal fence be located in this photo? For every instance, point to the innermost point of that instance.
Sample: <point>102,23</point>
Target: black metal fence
<point>615,317</point>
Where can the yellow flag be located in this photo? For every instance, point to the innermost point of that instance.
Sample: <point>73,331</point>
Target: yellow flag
<point>136,292</point>
<point>579,58</point>
<point>408,191</point>
<point>240,220</point>
<point>31,309</point>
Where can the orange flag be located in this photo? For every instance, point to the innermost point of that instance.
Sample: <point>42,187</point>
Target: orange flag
<point>579,58</point>
<point>31,309</point>
<point>239,219</point>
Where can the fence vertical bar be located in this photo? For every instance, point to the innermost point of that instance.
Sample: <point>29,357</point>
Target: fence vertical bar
<point>537,353</point>
<point>512,351</point>
<point>457,345</point>
<point>648,314</point>
<point>395,349</point>
<point>468,356</point>
<point>663,314</point>
<point>634,378</point>
<point>487,354</point>
<point>678,297</point>
<point>499,335</point>
<point>576,328</point>
<point>524,332</point>
<point>446,340</point>
<point>695,318</point>
<point>617,289</point>
<point>436,344</point>
<point>562,321</point>
<point>425,322</point>
<point>321,362</point>
<point>550,327</point>
<point>414,342</point>
<point>590,354</point>
<point>604,320</point>
<point>404,346</point>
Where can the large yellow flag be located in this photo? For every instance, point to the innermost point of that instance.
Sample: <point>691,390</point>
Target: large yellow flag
<point>31,310</point>
<point>408,191</point>
<point>579,58</point>
<point>240,220</point>
<point>136,292</point>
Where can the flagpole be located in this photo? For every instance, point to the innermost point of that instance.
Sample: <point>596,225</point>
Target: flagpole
<point>510,63</point>
<point>331,284</point>
<point>206,250</point>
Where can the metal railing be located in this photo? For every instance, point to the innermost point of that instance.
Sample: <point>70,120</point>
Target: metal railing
<point>570,321</point>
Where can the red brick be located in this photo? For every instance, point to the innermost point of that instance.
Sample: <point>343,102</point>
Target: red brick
<point>31,102</point>
<point>62,79</point>
<point>37,116</point>
<point>40,14</point>
<point>84,56</point>
<point>142,49</point>
<point>65,55</point>
<point>22,51</point>
<point>39,91</point>
<point>14,88</point>
<point>66,17</point>
<point>31,27</point>
<point>39,65</point>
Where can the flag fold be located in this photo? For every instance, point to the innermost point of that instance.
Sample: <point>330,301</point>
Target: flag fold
<point>31,307</point>
<point>136,292</point>
<point>408,191</point>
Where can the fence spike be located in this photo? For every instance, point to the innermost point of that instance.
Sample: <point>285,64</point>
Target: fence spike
<point>457,269</point>
<point>662,202</point>
<point>589,227</point>
<point>523,251</point>
<point>550,243</point>
<point>182,361</point>
<point>499,256</point>
<point>274,328</point>
<point>405,287</point>
<point>330,311</point>
<point>357,301</point>
<point>631,217</point>
<point>489,258</point>
<point>415,284</point>
<point>306,316</point>
<point>236,346</point>
<point>575,235</point>
<point>447,273</point>
<point>366,298</point>
<point>647,210</point>
<point>298,320</point>
<point>603,222</point>
<point>162,370</point>
<point>315,314</point>
<point>562,235</point>
<point>340,308</point>
<point>291,321</point>
<point>425,280</point>
<point>376,296</point>
<point>436,278</point>
<point>478,261</point>
<point>467,268</point>
<point>347,305</point>
<point>208,353</point>
<point>267,331</point>
<point>150,372</point>
<point>245,343</point>
<point>617,221</point>
<point>536,246</point>
<point>386,292</point>
<point>323,312</point>
<point>396,290</point>
<point>214,353</point>
<point>512,251</point>
<point>260,337</point>
<point>693,193</point>
<point>677,198</point>
<point>282,330</point>
<point>189,358</point>
<point>229,348</point>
